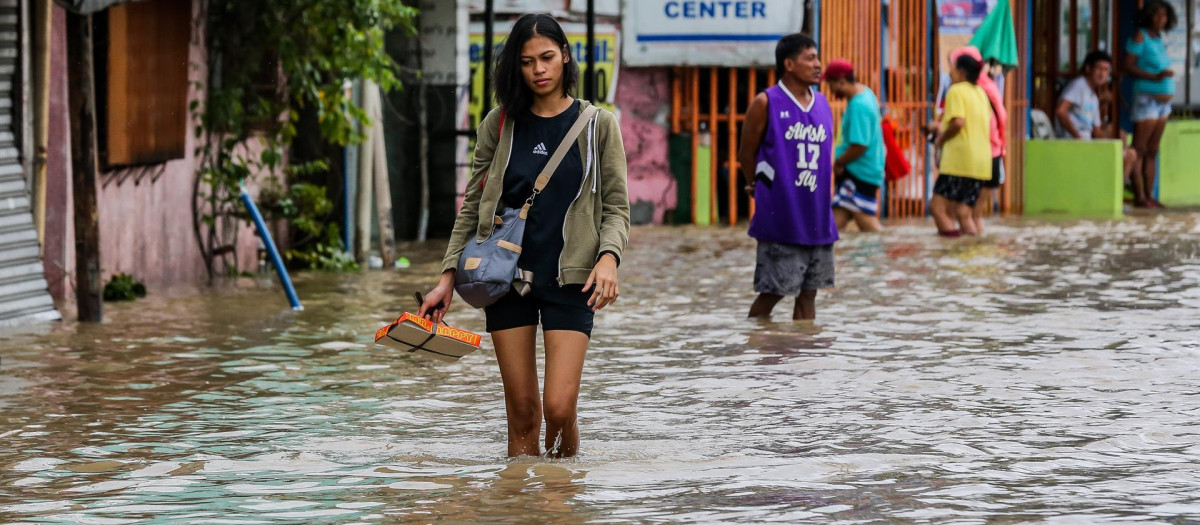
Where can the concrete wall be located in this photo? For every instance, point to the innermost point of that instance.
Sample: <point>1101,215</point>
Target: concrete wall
<point>145,213</point>
<point>1179,174</point>
<point>644,101</point>
<point>1073,178</point>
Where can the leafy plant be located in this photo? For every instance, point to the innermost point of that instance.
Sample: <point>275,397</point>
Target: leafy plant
<point>307,207</point>
<point>122,287</point>
<point>267,61</point>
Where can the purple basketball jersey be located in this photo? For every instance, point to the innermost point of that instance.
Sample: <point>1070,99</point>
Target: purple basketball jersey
<point>794,205</point>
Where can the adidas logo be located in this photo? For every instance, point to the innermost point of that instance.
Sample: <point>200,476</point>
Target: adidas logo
<point>540,149</point>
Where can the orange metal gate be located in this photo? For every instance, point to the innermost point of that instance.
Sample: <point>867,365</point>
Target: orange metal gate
<point>850,29</point>
<point>907,101</point>
<point>715,100</point>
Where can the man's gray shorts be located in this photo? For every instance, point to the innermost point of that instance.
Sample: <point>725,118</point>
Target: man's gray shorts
<point>788,269</point>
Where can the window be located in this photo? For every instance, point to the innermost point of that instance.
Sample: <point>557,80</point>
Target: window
<point>142,82</point>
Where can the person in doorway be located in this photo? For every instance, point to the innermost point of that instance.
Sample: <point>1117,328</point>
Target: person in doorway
<point>574,237</point>
<point>965,159</point>
<point>1078,113</point>
<point>1147,61</point>
<point>786,157</point>
<point>859,163</point>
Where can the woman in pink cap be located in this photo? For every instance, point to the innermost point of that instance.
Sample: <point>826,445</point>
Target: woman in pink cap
<point>996,136</point>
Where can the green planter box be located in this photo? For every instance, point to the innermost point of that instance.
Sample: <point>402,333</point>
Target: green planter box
<point>1178,166</point>
<point>1073,178</point>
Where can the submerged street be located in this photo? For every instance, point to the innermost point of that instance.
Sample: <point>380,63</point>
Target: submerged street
<point>1047,370</point>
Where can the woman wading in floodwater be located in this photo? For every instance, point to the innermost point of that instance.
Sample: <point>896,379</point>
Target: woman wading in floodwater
<point>573,238</point>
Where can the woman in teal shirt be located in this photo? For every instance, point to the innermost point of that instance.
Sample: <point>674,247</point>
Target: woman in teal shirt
<point>1147,62</point>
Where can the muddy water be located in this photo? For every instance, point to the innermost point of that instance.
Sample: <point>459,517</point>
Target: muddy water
<point>1050,370</point>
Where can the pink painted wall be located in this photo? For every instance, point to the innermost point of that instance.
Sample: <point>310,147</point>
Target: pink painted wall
<point>644,101</point>
<point>145,213</point>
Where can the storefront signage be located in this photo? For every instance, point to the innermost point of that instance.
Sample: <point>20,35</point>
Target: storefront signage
<point>707,32</point>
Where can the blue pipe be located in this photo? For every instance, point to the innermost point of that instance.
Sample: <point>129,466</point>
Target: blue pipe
<point>271,250</point>
<point>817,22</point>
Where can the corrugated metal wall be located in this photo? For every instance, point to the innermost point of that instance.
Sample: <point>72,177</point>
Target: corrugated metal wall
<point>23,292</point>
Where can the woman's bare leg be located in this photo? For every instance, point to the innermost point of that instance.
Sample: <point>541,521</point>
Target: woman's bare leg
<point>1143,185</point>
<point>515,353</point>
<point>565,350</point>
<point>1150,165</point>
<point>982,207</point>
<point>966,218</point>
<point>940,208</point>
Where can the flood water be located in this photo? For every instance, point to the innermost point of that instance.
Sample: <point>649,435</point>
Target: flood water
<point>1049,372</point>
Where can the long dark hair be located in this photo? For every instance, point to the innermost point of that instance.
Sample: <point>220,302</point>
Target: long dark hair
<point>511,91</point>
<point>1145,17</point>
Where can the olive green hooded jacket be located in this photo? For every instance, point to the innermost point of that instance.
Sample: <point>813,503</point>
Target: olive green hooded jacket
<point>596,222</point>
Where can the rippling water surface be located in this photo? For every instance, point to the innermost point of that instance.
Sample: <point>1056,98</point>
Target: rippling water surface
<point>1048,372</point>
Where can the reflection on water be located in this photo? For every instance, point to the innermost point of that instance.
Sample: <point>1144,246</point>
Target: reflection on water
<point>1048,370</point>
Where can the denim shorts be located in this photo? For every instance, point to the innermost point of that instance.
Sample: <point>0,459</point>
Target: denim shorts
<point>1145,107</point>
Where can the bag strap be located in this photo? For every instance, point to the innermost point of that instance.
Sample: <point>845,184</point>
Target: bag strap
<point>563,147</point>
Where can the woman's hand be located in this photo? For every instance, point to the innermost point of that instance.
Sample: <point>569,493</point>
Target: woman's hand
<point>437,301</point>
<point>604,277</point>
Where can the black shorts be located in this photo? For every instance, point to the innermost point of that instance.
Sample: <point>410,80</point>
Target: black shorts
<point>997,173</point>
<point>964,190</point>
<point>560,308</point>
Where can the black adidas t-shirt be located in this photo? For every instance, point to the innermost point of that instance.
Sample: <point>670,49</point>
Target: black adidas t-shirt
<point>534,141</point>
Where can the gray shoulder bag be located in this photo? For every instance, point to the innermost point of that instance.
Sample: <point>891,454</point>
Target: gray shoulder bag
<point>488,270</point>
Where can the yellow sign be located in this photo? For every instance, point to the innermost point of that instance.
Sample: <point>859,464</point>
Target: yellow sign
<point>606,61</point>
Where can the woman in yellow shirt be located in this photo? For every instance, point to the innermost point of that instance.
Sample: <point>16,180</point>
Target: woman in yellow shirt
<point>965,151</point>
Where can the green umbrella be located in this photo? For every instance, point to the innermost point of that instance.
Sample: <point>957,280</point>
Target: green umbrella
<point>995,37</point>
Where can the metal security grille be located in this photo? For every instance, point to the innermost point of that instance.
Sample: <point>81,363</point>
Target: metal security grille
<point>23,292</point>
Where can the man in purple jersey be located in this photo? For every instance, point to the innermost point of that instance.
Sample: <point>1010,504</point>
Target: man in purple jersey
<point>787,159</point>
